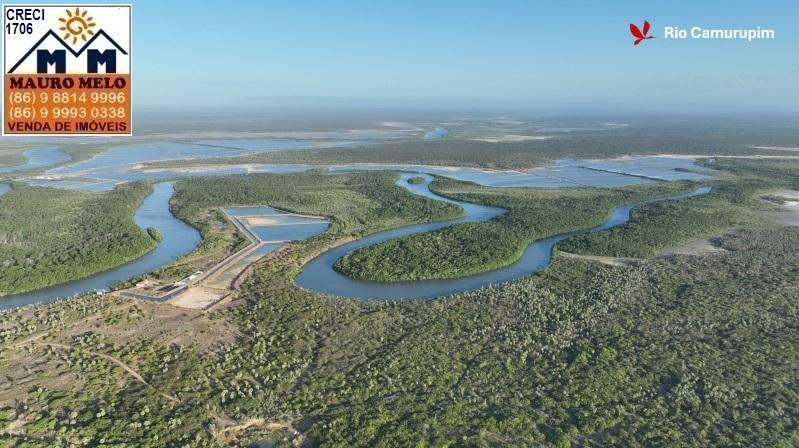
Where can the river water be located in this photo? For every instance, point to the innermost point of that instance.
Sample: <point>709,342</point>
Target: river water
<point>566,173</point>
<point>319,276</point>
<point>105,170</point>
<point>178,239</point>
<point>38,158</point>
<point>114,166</point>
<point>435,134</point>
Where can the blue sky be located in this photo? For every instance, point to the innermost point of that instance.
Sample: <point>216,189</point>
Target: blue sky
<point>521,54</point>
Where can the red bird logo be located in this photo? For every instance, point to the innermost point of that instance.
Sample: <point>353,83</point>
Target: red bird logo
<point>639,36</point>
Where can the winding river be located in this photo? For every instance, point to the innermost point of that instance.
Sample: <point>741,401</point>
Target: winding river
<point>319,276</point>
<point>178,239</point>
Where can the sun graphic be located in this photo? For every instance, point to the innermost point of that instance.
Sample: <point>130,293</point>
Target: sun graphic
<point>76,24</point>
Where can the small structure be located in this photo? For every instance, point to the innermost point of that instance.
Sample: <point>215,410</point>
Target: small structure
<point>188,279</point>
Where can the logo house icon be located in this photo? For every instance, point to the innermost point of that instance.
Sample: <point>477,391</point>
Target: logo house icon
<point>51,51</point>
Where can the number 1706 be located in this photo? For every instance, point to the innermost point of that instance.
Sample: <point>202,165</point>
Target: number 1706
<point>19,28</point>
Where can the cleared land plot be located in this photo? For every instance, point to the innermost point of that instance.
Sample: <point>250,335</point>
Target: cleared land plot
<point>267,233</point>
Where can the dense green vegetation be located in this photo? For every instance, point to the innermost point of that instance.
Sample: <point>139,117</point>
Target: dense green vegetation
<point>416,180</point>
<point>155,234</point>
<point>784,170</point>
<point>657,226</point>
<point>466,249</point>
<point>357,201</point>
<point>729,206</point>
<point>360,203</point>
<point>685,351</point>
<point>49,236</point>
<point>579,355</point>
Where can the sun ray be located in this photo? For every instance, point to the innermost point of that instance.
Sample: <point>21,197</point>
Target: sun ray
<point>77,24</point>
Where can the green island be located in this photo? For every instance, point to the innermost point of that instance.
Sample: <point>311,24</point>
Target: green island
<point>49,236</point>
<point>683,351</point>
<point>416,180</point>
<point>473,248</point>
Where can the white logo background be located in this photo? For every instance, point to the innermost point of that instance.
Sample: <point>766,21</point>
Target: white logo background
<point>113,19</point>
